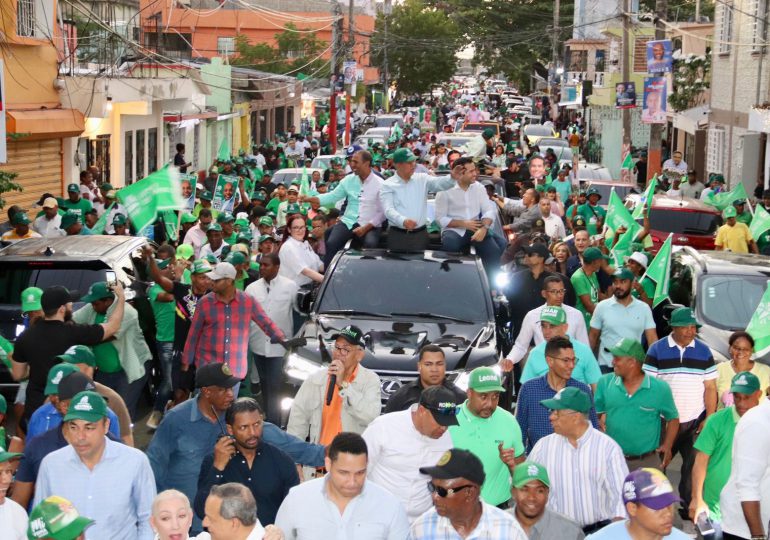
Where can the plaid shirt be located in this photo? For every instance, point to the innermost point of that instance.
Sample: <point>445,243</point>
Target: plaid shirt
<point>220,332</point>
<point>495,524</point>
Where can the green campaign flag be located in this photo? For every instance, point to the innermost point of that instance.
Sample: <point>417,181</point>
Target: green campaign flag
<point>720,201</point>
<point>396,133</point>
<point>628,162</point>
<point>624,246</point>
<point>304,183</point>
<point>100,225</point>
<point>617,213</point>
<point>224,150</point>
<point>760,223</point>
<point>170,219</point>
<point>143,200</point>
<point>759,325</point>
<point>646,200</point>
<point>658,272</point>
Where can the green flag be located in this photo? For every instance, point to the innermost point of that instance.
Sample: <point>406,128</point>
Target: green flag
<point>628,162</point>
<point>720,201</point>
<point>646,199</point>
<point>760,223</point>
<point>622,249</point>
<point>100,225</point>
<point>170,220</point>
<point>759,325</point>
<point>618,216</point>
<point>224,150</point>
<point>658,272</point>
<point>304,183</point>
<point>396,133</point>
<point>144,199</point>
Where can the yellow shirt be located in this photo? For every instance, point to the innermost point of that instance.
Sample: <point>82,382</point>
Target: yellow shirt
<point>735,238</point>
<point>11,236</point>
<point>726,373</point>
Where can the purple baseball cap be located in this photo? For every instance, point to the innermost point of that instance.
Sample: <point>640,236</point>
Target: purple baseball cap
<point>649,487</point>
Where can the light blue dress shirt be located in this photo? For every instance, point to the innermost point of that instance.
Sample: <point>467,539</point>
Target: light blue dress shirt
<point>404,200</point>
<point>586,367</point>
<point>308,514</point>
<point>47,417</point>
<point>117,494</point>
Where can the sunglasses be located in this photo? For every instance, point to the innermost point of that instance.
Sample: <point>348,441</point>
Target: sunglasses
<point>444,492</point>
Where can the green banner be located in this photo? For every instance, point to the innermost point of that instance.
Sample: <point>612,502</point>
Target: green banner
<point>646,200</point>
<point>659,272</point>
<point>159,191</point>
<point>101,224</point>
<point>759,325</point>
<point>720,201</point>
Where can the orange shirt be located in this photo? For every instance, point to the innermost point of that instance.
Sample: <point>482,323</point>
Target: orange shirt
<point>331,415</point>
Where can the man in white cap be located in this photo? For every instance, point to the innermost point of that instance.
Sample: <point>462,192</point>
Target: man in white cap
<point>48,224</point>
<point>637,262</point>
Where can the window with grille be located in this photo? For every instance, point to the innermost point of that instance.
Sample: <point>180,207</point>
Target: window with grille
<point>716,150</point>
<point>724,27</point>
<point>25,18</point>
<point>640,54</point>
<point>758,24</point>
<point>225,46</point>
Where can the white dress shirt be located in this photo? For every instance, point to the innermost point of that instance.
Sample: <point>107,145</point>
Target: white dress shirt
<point>257,533</point>
<point>554,227</point>
<point>530,330</point>
<point>196,238</point>
<point>750,475</point>
<point>407,199</point>
<point>669,165</point>
<point>49,228</point>
<point>459,203</point>
<point>396,453</point>
<point>295,257</point>
<point>277,299</point>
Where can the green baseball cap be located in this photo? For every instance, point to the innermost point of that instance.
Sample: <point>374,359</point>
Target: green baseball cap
<point>55,518</point>
<point>683,316</point>
<point>162,264</point>
<point>79,354</point>
<point>569,398</point>
<point>265,238</point>
<point>628,347</point>
<point>488,133</point>
<point>30,299</point>
<point>200,266</point>
<point>73,188</point>
<point>214,227</point>
<point>738,202</point>
<point>211,258</point>
<point>184,251</point>
<point>266,220</point>
<point>729,212</point>
<point>623,272</point>
<point>527,471</point>
<point>206,196</point>
<point>97,291</point>
<point>593,191</point>
<point>258,195</point>
<point>7,456</point>
<point>485,379</point>
<point>403,155</point>
<point>188,218</point>
<point>241,222</point>
<point>119,219</point>
<point>744,382</point>
<point>225,217</point>
<point>20,218</point>
<point>553,314</point>
<point>55,375</point>
<point>69,219</point>
<point>88,406</point>
<point>106,186</point>
<point>593,254</point>
<point>244,237</point>
<point>236,257</point>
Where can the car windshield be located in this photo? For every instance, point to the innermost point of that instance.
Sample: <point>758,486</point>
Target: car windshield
<point>477,127</point>
<point>562,152</point>
<point>406,286</point>
<point>538,131</point>
<point>552,141</point>
<point>387,121</point>
<point>728,302</point>
<point>14,278</point>
<point>703,223</point>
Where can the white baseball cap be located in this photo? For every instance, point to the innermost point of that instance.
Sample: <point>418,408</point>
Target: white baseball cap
<point>223,270</point>
<point>639,257</point>
<point>50,202</point>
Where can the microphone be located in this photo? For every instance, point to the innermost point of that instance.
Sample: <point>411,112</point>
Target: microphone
<point>330,389</point>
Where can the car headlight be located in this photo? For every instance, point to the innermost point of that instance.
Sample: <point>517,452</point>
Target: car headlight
<point>502,279</point>
<point>299,367</point>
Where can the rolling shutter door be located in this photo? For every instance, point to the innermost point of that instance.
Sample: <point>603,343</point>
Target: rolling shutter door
<point>38,164</point>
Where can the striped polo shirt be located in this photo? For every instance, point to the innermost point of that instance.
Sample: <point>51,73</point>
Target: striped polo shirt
<point>685,369</point>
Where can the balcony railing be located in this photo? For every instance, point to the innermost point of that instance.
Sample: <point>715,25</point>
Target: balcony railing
<point>25,18</point>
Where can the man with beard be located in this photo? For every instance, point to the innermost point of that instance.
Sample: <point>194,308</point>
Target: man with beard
<point>620,316</point>
<point>38,346</point>
<point>243,457</point>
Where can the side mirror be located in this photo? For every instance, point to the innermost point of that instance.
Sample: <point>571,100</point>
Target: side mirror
<point>303,301</point>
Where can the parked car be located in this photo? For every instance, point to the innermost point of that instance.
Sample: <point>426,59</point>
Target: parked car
<point>386,120</point>
<point>420,298</point>
<point>692,222</point>
<point>324,162</point>
<point>724,290</point>
<point>535,132</point>
<point>285,176</point>
<point>553,142</point>
<point>364,140</point>
<point>478,127</point>
<point>456,140</point>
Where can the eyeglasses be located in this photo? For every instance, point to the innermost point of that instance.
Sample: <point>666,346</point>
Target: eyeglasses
<point>563,412</point>
<point>565,359</point>
<point>342,350</point>
<point>742,350</point>
<point>444,492</point>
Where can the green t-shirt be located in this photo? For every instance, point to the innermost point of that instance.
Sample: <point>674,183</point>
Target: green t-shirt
<point>107,359</point>
<point>164,315</point>
<point>482,436</point>
<point>634,421</point>
<point>186,277</point>
<point>230,240</point>
<point>6,348</point>
<point>273,205</point>
<point>592,214</point>
<point>80,208</point>
<point>744,217</point>
<point>584,284</point>
<point>716,441</point>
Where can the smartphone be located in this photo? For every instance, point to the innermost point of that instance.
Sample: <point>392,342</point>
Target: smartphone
<point>704,524</point>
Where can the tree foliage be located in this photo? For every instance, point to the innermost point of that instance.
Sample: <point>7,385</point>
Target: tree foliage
<point>421,43</point>
<point>7,184</point>
<point>295,50</point>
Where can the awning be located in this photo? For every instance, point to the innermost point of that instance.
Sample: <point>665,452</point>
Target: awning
<point>46,123</point>
<point>690,120</point>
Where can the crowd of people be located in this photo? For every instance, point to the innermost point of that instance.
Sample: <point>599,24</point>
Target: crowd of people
<point>603,402</point>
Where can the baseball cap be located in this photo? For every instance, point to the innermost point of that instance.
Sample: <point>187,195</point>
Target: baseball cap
<point>683,316</point>
<point>88,406</point>
<point>569,398</point>
<point>265,238</point>
<point>20,218</point>
<point>57,519</point>
<point>352,334</point>
<point>266,220</point>
<point>73,188</point>
<point>744,382</point>
<point>188,218</point>
<point>538,249</point>
<point>184,251</point>
<point>258,195</point>
<point>488,133</point>
<point>403,155</point>
<point>57,296</point>
<point>50,202</point>
<point>30,299</point>
<point>456,463</point>
<point>225,217</point>
<point>593,191</point>
<point>79,354</point>
<point>74,383</point>
<point>119,219</point>
<point>162,264</point>
<point>736,202</point>
<point>216,374</point>
<point>200,267</point>
<point>106,186</point>
<point>206,196</point>
<point>97,291</point>
<point>729,212</point>
<point>236,257</point>
<point>441,403</point>
<point>485,379</point>
<point>68,219</point>
<point>527,471</point>
<point>214,227</point>
<point>223,270</point>
<point>649,487</point>
<point>628,347</point>
<point>640,258</point>
<point>593,254</point>
<point>7,456</point>
<point>293,188</point>
<point>623,272</point>
<point>553,314</point>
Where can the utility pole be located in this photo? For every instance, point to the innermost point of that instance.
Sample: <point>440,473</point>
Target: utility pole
<point>654,151</point>
<point>627,59</point>
<point>335,62</point>
<point>351,91</point>
<point>387,7</point>
<point>554,57</point>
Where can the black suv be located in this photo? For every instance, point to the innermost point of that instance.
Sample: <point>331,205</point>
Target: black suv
<point>402,301</point>
<point>724,290</point>
<point>74,262</point>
